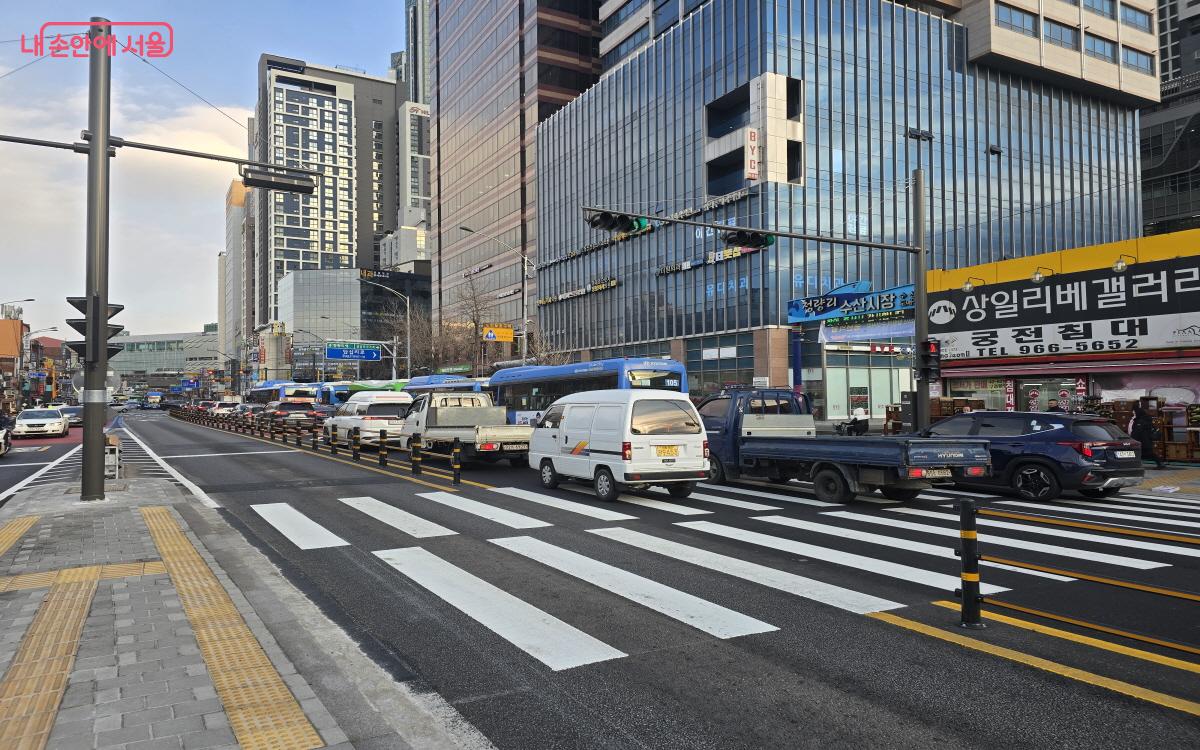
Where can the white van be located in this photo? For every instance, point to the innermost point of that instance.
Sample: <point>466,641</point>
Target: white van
<point>371,412</point>
<point>617,438</point>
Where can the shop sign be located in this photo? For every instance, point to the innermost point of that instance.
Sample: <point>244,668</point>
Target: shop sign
<point>1080,386</point>
<point>1152,305</point>
<point>850,300</point>
<point>596,286</point>
<point>752,153</point>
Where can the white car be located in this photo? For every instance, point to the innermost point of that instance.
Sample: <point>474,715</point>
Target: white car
<point>5,441</point>
<point>42,422</point>
<point>371,412</point>
<point>621,438</point>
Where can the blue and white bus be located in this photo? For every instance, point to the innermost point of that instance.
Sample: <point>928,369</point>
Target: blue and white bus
<point>278,390</point>
<point>528,391</point>
<point>426,383</point>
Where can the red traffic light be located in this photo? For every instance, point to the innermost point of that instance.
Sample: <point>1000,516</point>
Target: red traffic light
<point>932,348</point>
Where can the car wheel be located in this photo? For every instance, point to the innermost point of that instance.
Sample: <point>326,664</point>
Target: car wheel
<point>899,493</point>
<point>606,487</point>
<point>1108,492</point>
<point>831,487</point>
<point>716,471</point>
<point>681,490</point>
<point>1035,482</point>
<point>548,475</point>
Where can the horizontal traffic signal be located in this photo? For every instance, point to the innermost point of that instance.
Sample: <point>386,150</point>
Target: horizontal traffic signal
<point>748,238</point>
<point>614,222</point>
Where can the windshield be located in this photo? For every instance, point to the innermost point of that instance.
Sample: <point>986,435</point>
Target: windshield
<point>663,417</point>
<point>1098,431</point>
<point>391,410</point>
<point>669,381</point>
<point>40,414</point>
<point>293,406</point>
<point>68,410</point>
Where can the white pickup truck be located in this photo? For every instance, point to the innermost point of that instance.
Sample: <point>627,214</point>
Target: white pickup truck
<point>481,427</point>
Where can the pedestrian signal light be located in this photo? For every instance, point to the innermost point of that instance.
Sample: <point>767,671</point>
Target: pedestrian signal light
<point>931,358</point>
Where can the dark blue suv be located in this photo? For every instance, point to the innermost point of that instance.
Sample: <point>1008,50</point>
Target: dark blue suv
<point>1037,455</point>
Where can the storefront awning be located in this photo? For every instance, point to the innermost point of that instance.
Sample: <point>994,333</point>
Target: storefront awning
<point>1016,368</point>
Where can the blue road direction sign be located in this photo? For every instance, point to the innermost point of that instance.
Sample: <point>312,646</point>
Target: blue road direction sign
<point>189,385</point>
<point>353,350</point>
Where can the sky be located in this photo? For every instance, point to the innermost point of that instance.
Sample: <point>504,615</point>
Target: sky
<point>167,220</point>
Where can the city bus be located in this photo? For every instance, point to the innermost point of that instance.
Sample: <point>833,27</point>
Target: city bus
<point>528,391</point>
<point>278,390</point>
<point>339,392</point>
<point>154,398</point>
<point>427,383</point>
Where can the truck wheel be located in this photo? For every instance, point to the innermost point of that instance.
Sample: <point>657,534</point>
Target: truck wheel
<point>830,487</point>
<point>716,471</point>
<point>681,490</point>
<point>1035,482</point>
<point>548,475</point>
<point>899,493</point>
<point>606,487</point>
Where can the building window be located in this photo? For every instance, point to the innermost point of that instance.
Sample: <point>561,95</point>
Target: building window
<point>1101,48</point>
<point>624,13</point>
<point>1138,19</point>
<point>1014,19</point>
<point>1060,35</point>
<point>1106,8</point>
<point>1137,60</point>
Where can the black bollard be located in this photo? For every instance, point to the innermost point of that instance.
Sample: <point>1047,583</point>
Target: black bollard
<point>414,453</point>
<point>313,431</point>
<point>299,436</point>
<point>383,447</point>
<point>456,460</point>
<point>333,441</point>
<point>969,553</point>
<point>354,442</point>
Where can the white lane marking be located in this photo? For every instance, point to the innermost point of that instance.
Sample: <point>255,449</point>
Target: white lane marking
<point>35,475</point>
<point>771,495</point>
<point>1101,514</point>
<point>876,500</point>
<point>40,463</point>
<point>1163,499</point>
<point>681,510</point>
<point>807,588</point>
<point>896,543</point>
<point>299,529</point>
<point>963,493</point>
<point>711,618</point>
<point>1162,511</point>
<point>722,500</point>
<point>837,557</point>
<point>539,634</point>
<point>235,453</point>
<point>200,494</point>
<point>924,496</point>
<point>1004,541</point>
<point>1056,531</point>
<point>567,505</point>
<point>474,507</point>
<point>396,518</point>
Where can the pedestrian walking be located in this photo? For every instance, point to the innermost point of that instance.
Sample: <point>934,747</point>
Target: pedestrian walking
<point>1141,428</point>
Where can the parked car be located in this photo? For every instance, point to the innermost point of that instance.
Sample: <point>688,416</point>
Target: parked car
<point>288,411</point>
<point>371,412</point>
<point>74,414</point>
<point>5,441</point>
<point>41,422</point>
<point>621,438</point>
<point>1038,455</point>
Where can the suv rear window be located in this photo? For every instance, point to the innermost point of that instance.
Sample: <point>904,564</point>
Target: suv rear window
<point>1098,431</point>
<point>663,417</point>
<point>293,406</point>
<point>390,410</point>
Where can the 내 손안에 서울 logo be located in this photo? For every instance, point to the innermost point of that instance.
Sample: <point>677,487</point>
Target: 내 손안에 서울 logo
<point>942,312</point>
<point>70,39</point>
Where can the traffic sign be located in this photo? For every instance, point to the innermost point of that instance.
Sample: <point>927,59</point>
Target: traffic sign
<point>353,350</point>
<point>498,332</point>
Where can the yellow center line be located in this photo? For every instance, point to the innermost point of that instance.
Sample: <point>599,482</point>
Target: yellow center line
<point>1097,579</point>
<point>1086,640</point>
<point>1090,526</point>
<point>14,530</point>
<point>1117,686</point>
<point>263,713</point>
<point>45,578</point>
<point>35,682</point>
<point>1094,626</point>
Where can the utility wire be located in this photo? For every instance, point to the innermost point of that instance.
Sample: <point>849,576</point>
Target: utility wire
<point>177,82</point>
<point>23,67</point>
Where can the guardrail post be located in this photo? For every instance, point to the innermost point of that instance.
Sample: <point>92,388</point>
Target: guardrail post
<point>456,460</point>
<point>969,554</point>
<point>355,442</point>
<point>333,441</point>
<point>383,448</point>
<point>414,453</point>
<point>299,435</point>
<point>313,431</point>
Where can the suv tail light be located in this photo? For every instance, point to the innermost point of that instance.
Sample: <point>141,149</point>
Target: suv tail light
<point>1085,449</point>
<point>627,451</point>
<point>280,413</point>
<point>706,449</point>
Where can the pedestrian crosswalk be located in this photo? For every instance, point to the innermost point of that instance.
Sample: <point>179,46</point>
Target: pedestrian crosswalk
<point>855,558</point>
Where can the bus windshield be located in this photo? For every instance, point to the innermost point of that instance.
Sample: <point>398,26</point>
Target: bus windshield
<point>667,381</point>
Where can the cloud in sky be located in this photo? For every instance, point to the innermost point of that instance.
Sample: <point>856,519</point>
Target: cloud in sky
<point>167,218</point>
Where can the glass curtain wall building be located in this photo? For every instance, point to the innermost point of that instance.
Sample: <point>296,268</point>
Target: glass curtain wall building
<point>847,98</point>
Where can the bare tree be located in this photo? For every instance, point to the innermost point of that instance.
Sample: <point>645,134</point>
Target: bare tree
<point>541,351</point>
<point>472,308</point>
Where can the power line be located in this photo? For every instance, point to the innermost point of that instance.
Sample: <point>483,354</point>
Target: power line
<point>177,82</point>
<point>23,67</point>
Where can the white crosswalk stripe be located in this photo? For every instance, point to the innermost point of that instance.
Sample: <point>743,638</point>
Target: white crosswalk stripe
<point>1044,508</point>
<point>1058,532</point>
<point>679,510</point>
<point>1160,511</point>
<point>568,505</point>
<point>935,550</point>
<point>396,518</point>
<point>1165,499</point>
<point>960,493</point>
<point>299,529</point>
<point>703,615</point>
<point>546,638</point>
<point>807,588</point>
<point>771,496</point>
<point>743,504</point>
<point>499,515</point>
<point>1003,541</point>
<point>1157,503</point>
<point>837,557</point>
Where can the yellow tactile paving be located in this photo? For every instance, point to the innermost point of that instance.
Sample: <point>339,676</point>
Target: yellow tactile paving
<point>35,681</point>
<point>263,713</point>
<point>14,530</point>
<point>47,578</point>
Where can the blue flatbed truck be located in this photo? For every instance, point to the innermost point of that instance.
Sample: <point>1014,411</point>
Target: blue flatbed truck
<point>770,433</point>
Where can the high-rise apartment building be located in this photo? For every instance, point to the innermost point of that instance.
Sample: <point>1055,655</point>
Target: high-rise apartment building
<point>342,123</point>
<point>416,27</point>
<point>498,69</point>
<point>230,300</point>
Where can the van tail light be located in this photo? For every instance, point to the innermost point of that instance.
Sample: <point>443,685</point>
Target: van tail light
<point>626,451</point>
<point>706,449</point>
<point>1085,449</point>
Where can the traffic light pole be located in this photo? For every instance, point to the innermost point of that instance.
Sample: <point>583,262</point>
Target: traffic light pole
<point>95,367</point>
<point>921,409</point>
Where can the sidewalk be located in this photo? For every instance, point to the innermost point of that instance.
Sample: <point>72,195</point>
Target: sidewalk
<point>120,629</point>
<point>1175,479</point>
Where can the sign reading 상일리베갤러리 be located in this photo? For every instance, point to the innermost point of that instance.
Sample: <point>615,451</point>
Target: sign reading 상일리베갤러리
<point>1150,305</point>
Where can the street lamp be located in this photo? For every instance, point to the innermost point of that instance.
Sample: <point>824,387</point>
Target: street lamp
<point>525,276</point>
<point>407,330</point>
<point>15,301</point>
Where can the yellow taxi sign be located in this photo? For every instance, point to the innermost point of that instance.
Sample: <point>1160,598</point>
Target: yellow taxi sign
<point>498,332</point>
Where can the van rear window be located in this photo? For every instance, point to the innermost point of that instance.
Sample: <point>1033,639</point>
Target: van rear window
<point>390,410</point>
<point>663,417</point>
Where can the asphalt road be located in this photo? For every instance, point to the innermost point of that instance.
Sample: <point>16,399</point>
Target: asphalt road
<point>748,616</point>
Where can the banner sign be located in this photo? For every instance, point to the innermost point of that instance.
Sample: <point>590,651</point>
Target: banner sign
<point>353,350</point>
<point>851,300</point>
<point>1152,305</point>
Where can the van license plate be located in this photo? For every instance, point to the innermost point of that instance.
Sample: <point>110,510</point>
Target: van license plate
<point>666,450</point>
<point>937,473</point>
<point>1125,454</point>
